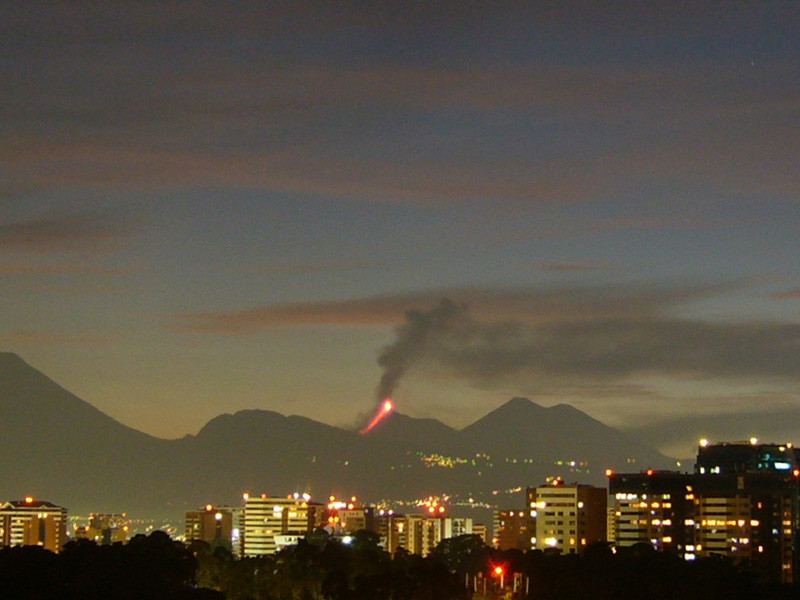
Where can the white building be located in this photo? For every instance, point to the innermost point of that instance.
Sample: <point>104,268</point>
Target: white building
<point>265,517</point>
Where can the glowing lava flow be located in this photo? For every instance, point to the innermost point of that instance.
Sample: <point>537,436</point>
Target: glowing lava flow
<point>385,409</point>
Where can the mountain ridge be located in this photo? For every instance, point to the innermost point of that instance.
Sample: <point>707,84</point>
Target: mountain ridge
<point>90,462</point>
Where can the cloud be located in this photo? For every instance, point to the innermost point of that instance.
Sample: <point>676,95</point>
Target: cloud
<point>532,307</point>
<point>87,231</point>
<point>323,104</point>
<point>60,268</point>
<point>550,340</point>
<point>544,342</point>
<point>559,355</point>
<point>792,294</point>
<point>566,267</point>
<point>307,267</point>
<point>771,419</point>
<point>16,339</point>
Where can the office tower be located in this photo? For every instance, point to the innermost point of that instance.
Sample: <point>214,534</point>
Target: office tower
<point>654,507</point>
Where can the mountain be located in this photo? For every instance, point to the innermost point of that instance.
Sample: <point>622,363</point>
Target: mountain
<point>60,448</point>
<point>522,428</point>
<point>58,445</point>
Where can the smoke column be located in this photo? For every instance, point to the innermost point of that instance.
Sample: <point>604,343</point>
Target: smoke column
<point>412,338</point>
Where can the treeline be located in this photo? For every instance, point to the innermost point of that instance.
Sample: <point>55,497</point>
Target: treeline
<point>320,568</point>
<point>153,567</point>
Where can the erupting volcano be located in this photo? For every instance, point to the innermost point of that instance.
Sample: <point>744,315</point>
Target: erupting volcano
<point>385,408</point>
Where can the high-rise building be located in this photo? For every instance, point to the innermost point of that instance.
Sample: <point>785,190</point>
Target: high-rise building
<point>31,522</point>
<point>747,506</point>
<point>654,507</point>
<point>741,502</point>
<point>568,516</point>
<point>264,518</point>
<point>210,524</point>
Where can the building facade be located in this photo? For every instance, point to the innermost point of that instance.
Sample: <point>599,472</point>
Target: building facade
<point>742,502</point>
<point>418,534</point>
<point>264,518</point>
<point>568,517</point>
<point>656,508</point>
<point>514,529</point>
<point>210,524</point>
<point>31,522</point>
<point>748,506</point>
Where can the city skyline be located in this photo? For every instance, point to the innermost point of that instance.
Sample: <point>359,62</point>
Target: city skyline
<point>207,210</point>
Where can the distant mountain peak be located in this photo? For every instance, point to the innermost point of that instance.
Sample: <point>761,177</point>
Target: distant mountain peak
<point>515,409</point>
<point>518,402</point>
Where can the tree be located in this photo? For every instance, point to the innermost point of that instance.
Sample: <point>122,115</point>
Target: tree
<point>462,554</point>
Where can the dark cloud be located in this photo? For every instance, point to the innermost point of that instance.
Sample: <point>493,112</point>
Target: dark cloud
<point>545,341</point>
<point>771,422</point>
<point>550,356</point>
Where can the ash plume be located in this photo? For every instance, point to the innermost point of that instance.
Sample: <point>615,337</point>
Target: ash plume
<point>413,338</point>
<point>550,353</point>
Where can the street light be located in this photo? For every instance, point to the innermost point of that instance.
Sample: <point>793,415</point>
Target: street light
<point>500,572</point>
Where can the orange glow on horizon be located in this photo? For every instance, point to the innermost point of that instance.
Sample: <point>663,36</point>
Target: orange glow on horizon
<point>386,407</point>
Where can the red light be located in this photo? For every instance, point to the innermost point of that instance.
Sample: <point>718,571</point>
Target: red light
<point>796,472</point>
<point>649,471</point>
<point>498,570</point>
<point>609,472</point>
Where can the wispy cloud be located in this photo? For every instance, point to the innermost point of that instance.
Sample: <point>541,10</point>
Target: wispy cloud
<point>566,267</point>
<point>88,231</point>
<point>791,294</point>
<point>27,338</point>
<point>528,306</point>
<point>61,268</point>
<point>522,130</point>
<point>307,267</point>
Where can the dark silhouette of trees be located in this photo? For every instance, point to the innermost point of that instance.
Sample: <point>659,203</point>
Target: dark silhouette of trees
<point>463,554</point>
<point>155,567</point>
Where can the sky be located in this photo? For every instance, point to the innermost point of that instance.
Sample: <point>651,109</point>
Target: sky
<point>207,207</point>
